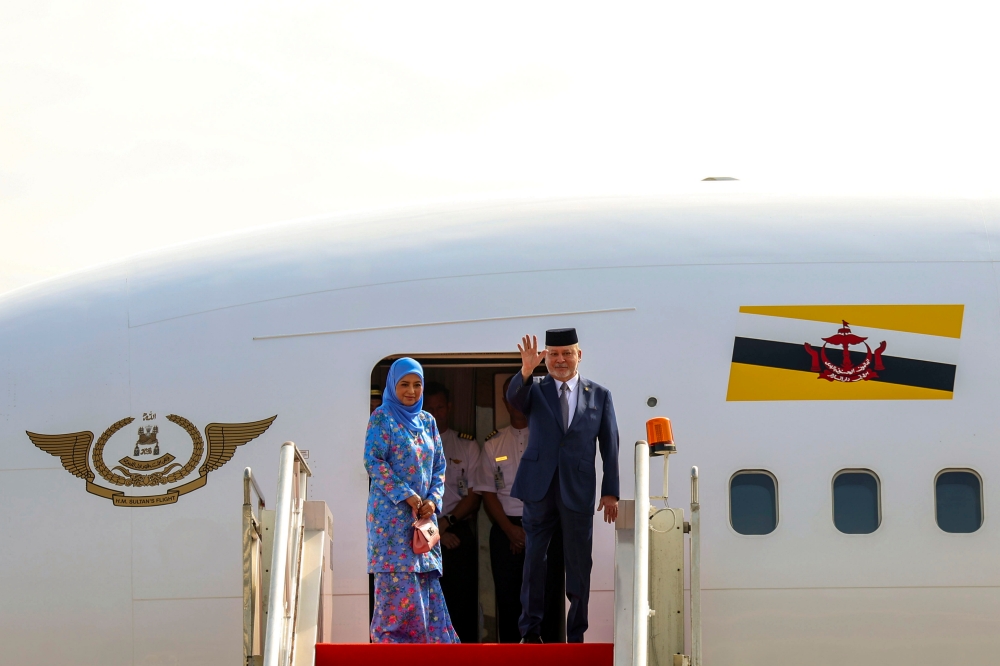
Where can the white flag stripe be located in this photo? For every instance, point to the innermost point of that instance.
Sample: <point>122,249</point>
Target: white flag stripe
<point>799,331</point>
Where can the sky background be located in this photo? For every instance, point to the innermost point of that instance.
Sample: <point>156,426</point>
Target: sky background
<point>128,126</point>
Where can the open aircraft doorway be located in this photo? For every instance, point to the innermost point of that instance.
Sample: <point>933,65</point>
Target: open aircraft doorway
<point>473,385</point>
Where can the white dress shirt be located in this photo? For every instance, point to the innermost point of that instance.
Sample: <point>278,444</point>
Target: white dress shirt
<point>463,460</point>
<point>498,467</point>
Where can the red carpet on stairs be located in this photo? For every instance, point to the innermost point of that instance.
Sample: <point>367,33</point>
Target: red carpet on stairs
<point>466,654</point>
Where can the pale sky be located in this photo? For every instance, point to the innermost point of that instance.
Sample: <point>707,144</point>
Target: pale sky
<point>128,126</point>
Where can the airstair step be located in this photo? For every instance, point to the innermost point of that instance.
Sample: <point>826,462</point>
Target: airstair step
<point>480,654</point>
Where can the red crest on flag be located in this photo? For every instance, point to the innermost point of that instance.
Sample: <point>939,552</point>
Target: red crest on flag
<point>846,371</point>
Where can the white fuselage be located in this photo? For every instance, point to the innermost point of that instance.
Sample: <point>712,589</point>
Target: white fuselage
<point>214,332</point>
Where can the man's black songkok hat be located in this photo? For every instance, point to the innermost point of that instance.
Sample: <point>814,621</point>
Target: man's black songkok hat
<point>561,337</point>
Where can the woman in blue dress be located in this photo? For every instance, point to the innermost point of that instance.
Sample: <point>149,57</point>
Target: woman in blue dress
<point>405,462</point>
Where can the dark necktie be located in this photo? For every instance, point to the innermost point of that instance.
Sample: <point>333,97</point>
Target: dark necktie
<point>564,400</point>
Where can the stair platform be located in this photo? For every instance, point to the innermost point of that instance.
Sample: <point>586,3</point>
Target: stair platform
<point>479,654</point>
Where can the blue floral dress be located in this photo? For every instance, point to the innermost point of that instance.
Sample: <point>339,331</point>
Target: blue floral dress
<point>409,605</point>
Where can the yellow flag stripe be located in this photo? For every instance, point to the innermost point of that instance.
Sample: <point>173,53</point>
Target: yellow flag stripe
<point>757,382</point>
<point>941,320</point>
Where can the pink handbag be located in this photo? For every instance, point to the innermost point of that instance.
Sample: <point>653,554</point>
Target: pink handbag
<point>425,535</point>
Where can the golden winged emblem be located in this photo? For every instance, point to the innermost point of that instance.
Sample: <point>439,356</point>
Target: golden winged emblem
<point>71,449</point>
<point>84,458</point>
<point>223,438</point>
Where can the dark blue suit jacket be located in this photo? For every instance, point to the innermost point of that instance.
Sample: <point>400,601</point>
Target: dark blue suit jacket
<point>572,454</point>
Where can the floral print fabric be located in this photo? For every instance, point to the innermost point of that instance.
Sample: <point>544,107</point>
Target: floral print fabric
<point>410,608</point>
<point>401,463</point>
<point>409,605</point>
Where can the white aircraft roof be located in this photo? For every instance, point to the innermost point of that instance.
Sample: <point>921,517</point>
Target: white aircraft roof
<point>338,252</point>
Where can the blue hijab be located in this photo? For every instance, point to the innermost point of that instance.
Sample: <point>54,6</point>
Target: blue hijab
<point>408,417</point>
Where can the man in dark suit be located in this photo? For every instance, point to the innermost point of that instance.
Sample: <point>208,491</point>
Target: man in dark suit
<point>569,418</point>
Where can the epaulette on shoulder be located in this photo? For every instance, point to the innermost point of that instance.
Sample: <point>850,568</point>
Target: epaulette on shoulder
<point>491,435</point>
<point>464,435</point>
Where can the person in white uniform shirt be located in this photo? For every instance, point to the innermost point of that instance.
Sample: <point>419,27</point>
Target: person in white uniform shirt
<point>498,466</point>
<point>460,552</point>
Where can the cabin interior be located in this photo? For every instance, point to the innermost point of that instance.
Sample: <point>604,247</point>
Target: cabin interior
<point>475,382</point>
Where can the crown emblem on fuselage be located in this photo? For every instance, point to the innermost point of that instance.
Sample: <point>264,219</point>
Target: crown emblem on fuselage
<point>147,437</point>
<point>847,371</point>
<point>82,457</point>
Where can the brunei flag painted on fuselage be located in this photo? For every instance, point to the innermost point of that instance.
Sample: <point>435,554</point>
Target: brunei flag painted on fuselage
<point>845,352</point>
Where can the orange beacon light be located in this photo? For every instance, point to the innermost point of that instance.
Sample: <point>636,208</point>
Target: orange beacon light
<point>660,436</point>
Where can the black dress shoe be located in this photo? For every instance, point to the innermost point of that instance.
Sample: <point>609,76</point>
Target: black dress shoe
<point>531,638</point>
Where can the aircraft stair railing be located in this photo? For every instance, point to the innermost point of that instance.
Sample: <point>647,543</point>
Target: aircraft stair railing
<point>695,570</point>
<point>252,571</point>
<point>288,598</point>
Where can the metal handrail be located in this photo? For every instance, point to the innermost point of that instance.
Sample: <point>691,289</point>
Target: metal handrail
<point>251,569</point>
<point>640,571</point>
<point>286,561</point>
<point>250,482</point>
<point>307,470</point>
<point>695,570</point>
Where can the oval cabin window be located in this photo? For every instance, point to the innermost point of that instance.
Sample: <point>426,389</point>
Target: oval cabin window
<point>753,502</point>
<point>958,498</point>
<point>856,502</point>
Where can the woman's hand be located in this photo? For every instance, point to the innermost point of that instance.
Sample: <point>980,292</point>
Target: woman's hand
<point>425,509</point>
<point>414,502</point>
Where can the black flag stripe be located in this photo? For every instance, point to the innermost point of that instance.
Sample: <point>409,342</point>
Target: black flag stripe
<point>898,370</point>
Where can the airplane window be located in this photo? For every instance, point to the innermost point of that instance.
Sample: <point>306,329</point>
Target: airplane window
<point>753,502</point>
<point>959,499</point>
<point>856,502</point>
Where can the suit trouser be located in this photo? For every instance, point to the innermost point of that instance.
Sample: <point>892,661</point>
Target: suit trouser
<point>460,581</point>
<point>540,520</point>
<point>508,575</point>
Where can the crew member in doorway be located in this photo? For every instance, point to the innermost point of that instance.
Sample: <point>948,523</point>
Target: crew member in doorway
<point>375,401</point>
<point>569,418</point>
<point>497,468</point>
<point>460,581</point>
